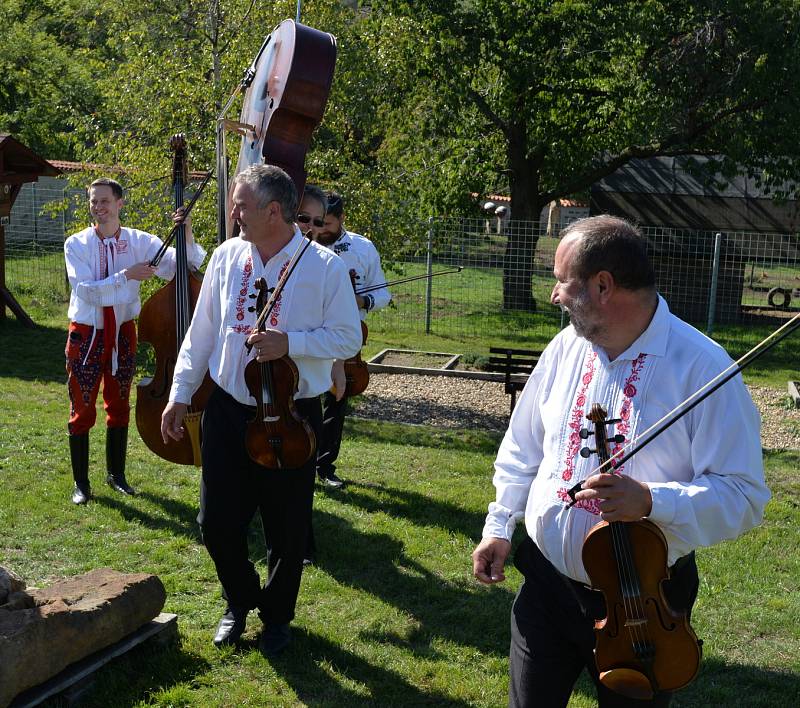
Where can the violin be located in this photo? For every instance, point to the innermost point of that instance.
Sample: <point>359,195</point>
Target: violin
<point>163,323</point>
<point>642,645</point>
<point>355,368</point>
<point>286,90</point>
<point>277,437</point>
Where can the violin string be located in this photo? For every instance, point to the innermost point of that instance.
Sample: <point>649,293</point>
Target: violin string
<point>630,587</point>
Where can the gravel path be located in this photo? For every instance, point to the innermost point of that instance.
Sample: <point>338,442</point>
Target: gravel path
<point>449,402</point>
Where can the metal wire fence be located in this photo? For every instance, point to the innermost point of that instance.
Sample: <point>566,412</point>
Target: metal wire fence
<point>728,284</point>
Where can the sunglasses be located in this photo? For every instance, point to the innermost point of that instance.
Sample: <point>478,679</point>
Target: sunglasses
<point>303,218</point>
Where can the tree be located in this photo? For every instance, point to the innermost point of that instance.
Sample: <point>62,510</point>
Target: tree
<point>48,60</point>
<point>562,93</point>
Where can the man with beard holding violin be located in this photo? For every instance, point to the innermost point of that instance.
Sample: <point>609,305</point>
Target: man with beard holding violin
<point>700,482</point>
<point>314,320</point>
<point>364,264</point>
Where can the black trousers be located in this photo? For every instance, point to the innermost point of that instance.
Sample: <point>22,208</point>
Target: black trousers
<point>552,632</point>
<point>233,488</point>
<point>330,440</point>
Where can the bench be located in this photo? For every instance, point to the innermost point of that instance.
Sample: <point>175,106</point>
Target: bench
<point>516,364</point>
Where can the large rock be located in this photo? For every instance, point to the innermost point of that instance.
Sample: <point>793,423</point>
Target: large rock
<point>71,620</point>
<point>10,583</point>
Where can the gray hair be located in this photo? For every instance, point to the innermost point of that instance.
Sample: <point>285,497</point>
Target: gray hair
<point>271,184</point>
<point>613,244</point>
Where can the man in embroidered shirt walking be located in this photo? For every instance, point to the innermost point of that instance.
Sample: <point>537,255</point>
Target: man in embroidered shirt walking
<point>701,481</point>
<point>314,321</point>
<point>106,263</point>
<point>364,264</point>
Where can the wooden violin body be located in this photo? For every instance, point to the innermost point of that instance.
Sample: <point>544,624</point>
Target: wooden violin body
<point>163,322</point>
<point>277,437</point>
<point>642,645</point>
<point>355,369</point>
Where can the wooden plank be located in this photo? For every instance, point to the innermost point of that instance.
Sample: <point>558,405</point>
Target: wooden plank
<point>165,625</point>
<point>505,350</point>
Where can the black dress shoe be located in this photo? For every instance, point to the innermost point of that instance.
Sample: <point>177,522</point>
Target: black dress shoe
<point>274,639</point>
<point>230,627</point>
<point>120,484</point>
<point>82,493</point>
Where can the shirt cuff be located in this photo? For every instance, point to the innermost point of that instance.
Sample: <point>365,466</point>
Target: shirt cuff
<point>664,504</point>
<point>500,522</point>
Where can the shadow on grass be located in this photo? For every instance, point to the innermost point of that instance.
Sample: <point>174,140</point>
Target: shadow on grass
<point>723,683</point>
<point>481,441</point>
<point>180,520</point>
<point>417,508</point>
<point>32,354</point>
<point>311,660</point>
<point>376,563</point>
<point>145,670</point>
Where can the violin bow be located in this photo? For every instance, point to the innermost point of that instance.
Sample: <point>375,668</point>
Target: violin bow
<point>187,209</point>
<point>361,291</point>
<point>296,256</point>
<point>627,451</point>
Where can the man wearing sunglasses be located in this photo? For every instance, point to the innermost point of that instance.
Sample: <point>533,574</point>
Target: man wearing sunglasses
<point>364,263</point>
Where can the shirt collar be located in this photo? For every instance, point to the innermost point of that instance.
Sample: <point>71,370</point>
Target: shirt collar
<point>654,339</point>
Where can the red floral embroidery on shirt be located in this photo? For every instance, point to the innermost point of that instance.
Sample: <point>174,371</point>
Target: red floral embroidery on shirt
<point>274,316</point>
<point>576,421</point>
<point>247,273</point>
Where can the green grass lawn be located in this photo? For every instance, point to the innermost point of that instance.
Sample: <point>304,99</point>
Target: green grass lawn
<point>390,616</point>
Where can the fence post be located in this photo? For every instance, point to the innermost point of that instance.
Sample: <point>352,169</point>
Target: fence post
<point>712,299</point>
<point>428,285</point>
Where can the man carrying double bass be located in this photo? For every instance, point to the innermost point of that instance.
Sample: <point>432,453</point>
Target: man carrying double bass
<point>313,321</point>
<point>700,482</point>
<point>106,263</point>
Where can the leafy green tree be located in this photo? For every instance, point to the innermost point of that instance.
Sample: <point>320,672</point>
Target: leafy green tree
<point>554,95</point>
<point>50,53</point>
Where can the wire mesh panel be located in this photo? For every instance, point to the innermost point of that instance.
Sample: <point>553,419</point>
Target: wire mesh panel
<point>35,240</point>
<point>737,286</point>
<point>503,288</point>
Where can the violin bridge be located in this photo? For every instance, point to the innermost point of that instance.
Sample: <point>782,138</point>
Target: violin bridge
<point>270,418</point>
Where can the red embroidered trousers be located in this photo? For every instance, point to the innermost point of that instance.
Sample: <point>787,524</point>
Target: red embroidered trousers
<point>85,373</point>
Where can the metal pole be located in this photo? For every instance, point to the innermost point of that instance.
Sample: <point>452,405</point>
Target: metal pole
<point>712,298</point>
<point>429,270</point>
<point>297,18</point>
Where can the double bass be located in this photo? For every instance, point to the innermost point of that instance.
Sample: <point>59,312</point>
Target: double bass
<point>286,90</point>
<point>642,645</point>
<point>163,322</point>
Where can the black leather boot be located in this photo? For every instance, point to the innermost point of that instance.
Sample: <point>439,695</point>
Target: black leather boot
<point>79,454</point>
<point>116,448</point>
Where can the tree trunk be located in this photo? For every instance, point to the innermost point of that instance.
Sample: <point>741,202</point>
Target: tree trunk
<point>523,228</point>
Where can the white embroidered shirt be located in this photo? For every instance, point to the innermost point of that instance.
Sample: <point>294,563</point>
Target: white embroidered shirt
<point>705,472</point>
